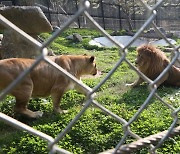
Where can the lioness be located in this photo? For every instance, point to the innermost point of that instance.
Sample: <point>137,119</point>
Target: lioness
<point>43,80</point>
<point>152,61</point>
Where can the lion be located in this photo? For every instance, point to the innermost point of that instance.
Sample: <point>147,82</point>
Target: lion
<point>44,79</point>
<point>152,61</point>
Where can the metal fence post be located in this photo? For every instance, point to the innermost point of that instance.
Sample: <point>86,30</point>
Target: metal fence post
<point>49,14</point>
<point>119,12</point>
<point>102,12</point>
<point>79,23</point>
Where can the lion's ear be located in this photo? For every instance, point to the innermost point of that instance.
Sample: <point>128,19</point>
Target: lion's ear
<point>85,54</point>
<point>91,59</point>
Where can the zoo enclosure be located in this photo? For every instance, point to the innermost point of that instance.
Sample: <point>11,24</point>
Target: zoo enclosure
<point>123,51</point>
<point>108,14</point>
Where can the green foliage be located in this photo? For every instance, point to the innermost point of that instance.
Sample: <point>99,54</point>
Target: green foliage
<point>95,131</point>
<point>120,32</point>
<point>178,41</point>
<point>82,32</point>
<point>6,106</point>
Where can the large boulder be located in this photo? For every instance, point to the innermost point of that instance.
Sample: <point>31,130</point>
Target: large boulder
<point>14,46</point>
<point>75,37</point>
<point>30,19</point>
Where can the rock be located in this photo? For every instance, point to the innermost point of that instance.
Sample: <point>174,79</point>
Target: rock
<point>75,37</point>
<point>31,20</point>
<point>14,46</point>
<point>115,33</point>
<point>70,37</point>
<point>151,33</point>
<point>162,30</point>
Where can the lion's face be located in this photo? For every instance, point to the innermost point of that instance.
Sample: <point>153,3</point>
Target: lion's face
<point>143,58</point>
<point>91,65</point>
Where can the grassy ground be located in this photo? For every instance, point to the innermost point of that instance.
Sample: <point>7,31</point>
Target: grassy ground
<point>94,132</point>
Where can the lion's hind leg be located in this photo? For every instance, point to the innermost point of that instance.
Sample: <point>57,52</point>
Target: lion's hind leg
<point>21,108</point>
<point>23,96</point>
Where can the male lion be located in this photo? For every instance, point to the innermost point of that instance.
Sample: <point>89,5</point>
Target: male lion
<point>152,61</point>
<point>43,80</point>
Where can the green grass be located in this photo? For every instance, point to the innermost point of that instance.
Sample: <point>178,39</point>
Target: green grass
<point>95,131</point>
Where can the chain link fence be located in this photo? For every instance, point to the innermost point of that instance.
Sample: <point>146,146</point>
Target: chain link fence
<point>123,51</point>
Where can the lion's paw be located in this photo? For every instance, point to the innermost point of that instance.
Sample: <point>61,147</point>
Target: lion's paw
<point>38,114</point>
<point>60,111</point>
<point>129,84</point>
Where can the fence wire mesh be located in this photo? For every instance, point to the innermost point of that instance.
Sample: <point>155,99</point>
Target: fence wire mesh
<point>123,51</point>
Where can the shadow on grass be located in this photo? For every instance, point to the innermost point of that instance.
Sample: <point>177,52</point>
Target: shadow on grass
<point>137,96</point>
